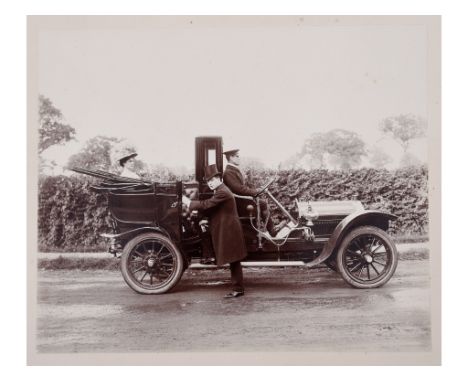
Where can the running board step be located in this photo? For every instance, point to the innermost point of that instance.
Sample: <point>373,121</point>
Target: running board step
<point>252,264</point>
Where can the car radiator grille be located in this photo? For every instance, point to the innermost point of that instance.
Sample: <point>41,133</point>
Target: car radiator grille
<point>325,227</point>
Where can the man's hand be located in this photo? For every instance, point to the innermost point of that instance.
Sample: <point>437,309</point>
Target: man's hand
<point>185,201</point>
<point>191,193</point>
<point>204,225</point>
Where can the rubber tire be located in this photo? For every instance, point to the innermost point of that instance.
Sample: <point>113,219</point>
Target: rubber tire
<point>382,235</point>
<point>179,263</point>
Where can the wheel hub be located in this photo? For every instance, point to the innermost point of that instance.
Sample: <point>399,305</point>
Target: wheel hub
<point>151,262</point>
<point>368,258</point>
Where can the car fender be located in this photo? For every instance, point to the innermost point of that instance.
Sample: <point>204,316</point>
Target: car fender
<point>357,219</point>
<point>130,234</point>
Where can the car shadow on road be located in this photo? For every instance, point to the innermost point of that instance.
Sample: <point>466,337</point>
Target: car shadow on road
<point>264,280</point>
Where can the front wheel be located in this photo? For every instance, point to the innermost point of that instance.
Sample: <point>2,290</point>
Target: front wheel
<point>151,264</point>
<point>367,257</point>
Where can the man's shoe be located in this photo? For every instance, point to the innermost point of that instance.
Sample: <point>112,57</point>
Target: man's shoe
<point>208,261</point>
<point>234,294</point>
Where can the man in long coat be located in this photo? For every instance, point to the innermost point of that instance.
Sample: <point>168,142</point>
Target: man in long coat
<point>226,230</point>
<point>234,179</point>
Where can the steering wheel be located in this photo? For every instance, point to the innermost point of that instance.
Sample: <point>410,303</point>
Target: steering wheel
<point>263,189</point>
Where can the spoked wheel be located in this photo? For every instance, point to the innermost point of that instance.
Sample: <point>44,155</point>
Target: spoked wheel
<point>367,257</point>
<point>151,264</point>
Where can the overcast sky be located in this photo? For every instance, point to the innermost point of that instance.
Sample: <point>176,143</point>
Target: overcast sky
<point>264,87</point>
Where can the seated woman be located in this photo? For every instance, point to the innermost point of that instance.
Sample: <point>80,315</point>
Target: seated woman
<point>128,163</point>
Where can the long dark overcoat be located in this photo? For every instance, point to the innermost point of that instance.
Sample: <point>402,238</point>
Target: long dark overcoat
<point>234,179</point>
<point>225,227</point>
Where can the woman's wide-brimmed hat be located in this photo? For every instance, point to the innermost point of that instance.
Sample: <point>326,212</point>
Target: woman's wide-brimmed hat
<point>126,158</point>
<point>211,171</point>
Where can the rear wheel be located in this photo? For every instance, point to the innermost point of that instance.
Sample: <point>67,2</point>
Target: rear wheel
<point>367,257</point>
<point>151,264</point>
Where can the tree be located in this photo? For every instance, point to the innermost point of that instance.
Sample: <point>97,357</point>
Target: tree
<point>95,154</point>
<point>379,158</point>
<point>342,148</point>
<point>409,160</point>
<point>103,153</point>
<point>404,128</point>
<point>52,129</point>
<point>252,163</point>
<point>291,163</point>
<point>315,148</point>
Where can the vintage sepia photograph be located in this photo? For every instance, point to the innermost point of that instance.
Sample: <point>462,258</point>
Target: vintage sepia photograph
<point>234,190</point>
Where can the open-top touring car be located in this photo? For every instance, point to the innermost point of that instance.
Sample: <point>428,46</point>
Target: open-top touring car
<point>158,239</point>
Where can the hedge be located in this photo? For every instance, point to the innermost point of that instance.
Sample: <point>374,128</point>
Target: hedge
<point>402,192</point>
<point>71,216</point>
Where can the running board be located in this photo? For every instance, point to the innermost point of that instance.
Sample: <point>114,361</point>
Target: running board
<point>252,264</point>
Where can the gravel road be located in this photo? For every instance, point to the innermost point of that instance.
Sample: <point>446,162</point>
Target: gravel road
<point>284,309</point>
